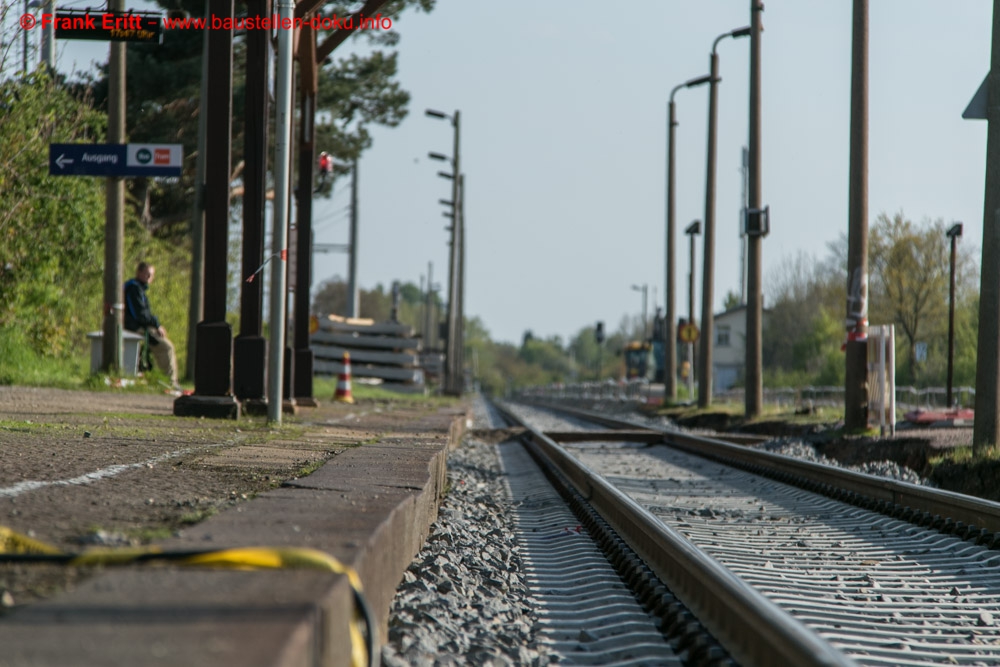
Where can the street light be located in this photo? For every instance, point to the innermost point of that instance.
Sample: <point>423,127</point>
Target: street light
<point>670,331</point>
<point>693,230</point>
<point>954,234</point>
<point>705,358</point>
<point>643,289</point>
<point>453,350</point>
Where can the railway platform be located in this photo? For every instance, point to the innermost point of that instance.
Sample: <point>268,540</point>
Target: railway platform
<point>359,483</point>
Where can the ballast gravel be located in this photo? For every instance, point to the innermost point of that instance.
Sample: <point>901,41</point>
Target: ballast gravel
<point>463,600</point>
<point>799,449</point>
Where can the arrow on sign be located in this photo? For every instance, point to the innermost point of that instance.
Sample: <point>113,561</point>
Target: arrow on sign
<point>62,161</point>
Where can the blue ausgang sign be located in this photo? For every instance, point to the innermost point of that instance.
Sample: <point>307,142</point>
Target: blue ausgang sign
<point>115,159</point>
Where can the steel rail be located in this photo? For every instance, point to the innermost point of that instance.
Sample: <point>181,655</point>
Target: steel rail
<point>753,629</point>
<point>955,513</point>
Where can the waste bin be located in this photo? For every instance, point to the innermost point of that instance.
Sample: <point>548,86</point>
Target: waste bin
<point>131,343</point>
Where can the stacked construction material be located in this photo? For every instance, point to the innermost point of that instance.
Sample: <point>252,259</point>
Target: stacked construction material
<point>433,365</point>
<point>385,350</point>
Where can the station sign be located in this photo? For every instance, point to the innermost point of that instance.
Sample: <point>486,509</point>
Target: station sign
<point>106,26</point>
<point>116,159</point>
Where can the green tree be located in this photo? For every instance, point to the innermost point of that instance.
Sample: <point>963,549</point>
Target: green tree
<point>732,300</point>
<point>51,256</point>
<point>909,267</point>
<point>804,331</point>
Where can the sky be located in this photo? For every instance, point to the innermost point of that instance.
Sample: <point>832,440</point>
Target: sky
<point>563,144</point>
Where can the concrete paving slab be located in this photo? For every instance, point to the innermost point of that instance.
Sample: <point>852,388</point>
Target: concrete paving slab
<point>370,507</point>
<point>188,617</point>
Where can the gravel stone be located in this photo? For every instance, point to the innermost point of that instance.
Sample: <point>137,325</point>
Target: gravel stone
<point>463,600</point>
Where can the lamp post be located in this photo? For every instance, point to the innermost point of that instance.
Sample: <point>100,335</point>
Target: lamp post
<point>705,357</point>
<point>670,331</point>
<point>642,288</point>
<point>692,231</point>
<point>954,234</point>
<point>451,380</point>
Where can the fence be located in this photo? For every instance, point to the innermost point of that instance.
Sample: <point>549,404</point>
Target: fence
<point>907,398</point>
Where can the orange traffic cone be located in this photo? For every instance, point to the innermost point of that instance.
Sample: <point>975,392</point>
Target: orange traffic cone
<point>343,391</point>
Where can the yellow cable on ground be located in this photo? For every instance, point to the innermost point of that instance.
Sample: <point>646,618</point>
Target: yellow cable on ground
<point>15,543</point>
<point>296,557</point>
<point>15,547</point>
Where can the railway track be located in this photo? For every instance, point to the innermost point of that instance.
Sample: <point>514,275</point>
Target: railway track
<point>790,562</point>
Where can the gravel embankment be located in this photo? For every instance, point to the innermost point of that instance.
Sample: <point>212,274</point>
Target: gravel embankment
<point>463,600</point>
<point>799,449</point>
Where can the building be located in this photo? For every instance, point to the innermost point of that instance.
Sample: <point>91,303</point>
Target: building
<point>729,353</point>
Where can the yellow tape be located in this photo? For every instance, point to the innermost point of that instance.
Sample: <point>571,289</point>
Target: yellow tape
<point>249,558</point>
<point>15,543</point>
<point>278,558</point>
<point>291,557</point>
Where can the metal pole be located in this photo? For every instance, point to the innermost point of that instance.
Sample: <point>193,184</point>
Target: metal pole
<point>745,157</point>
<point>755,300</point>
<point>279,242</point>
<point>460,221</point>
<point>670,330</point>
<point>690,350</point>
<point>451,370</point>
<point>114,207</point>
<point>645,323</point>
<point>987,426</point>
<point>353,307</point>
<point>48,55</point>
<point>856,380</point>
<point>429,308</point>
<point>24,42</point>
<point>954,233</point>
<point>250,347</point>
<point>195,308</point>
<point>708,267</point>
<point>302,375</point>
<point>670,325</point>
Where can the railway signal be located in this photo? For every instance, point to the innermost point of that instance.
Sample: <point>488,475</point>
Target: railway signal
<point>688,333</point>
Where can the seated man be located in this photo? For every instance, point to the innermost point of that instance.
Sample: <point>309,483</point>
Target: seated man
<point>139,318</point>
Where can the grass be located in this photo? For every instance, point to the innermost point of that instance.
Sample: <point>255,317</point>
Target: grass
<point>310,468</point>
<point>150,533</point>
<point>822,414</point>
<point>325,387</point>
<point>198,516</point>
<point>23,366</point>
<point>965,455</point>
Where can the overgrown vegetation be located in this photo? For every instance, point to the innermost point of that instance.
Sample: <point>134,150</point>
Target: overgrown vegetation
<point>52,229</point>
